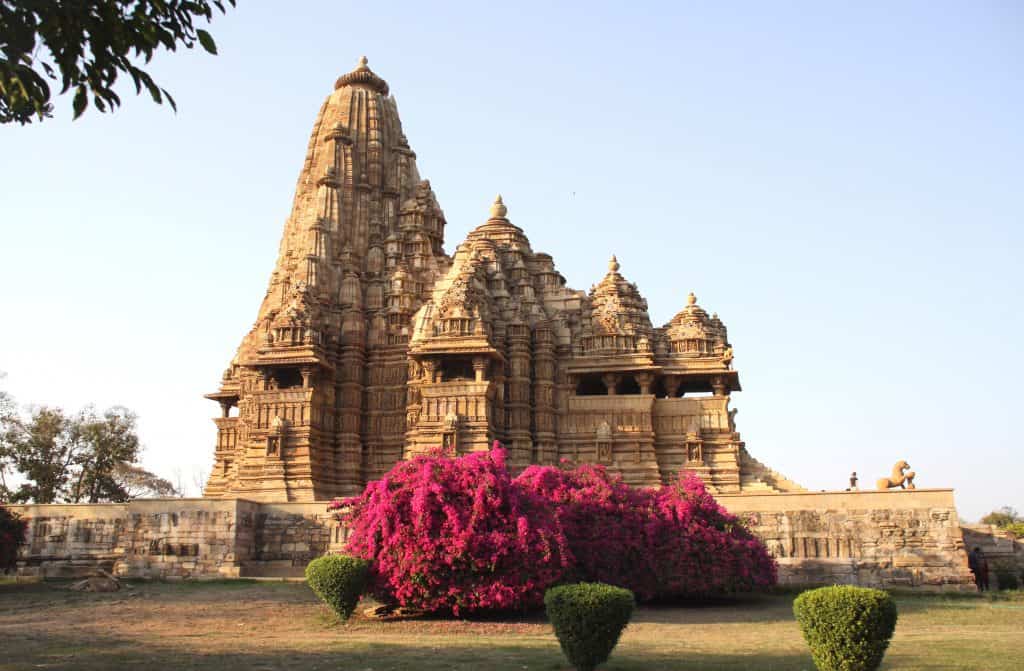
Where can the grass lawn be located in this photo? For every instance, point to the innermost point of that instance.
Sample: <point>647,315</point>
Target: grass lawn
<point>257,626</point>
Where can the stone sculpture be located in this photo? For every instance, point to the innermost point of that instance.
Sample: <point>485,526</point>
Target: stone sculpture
<point>900,477</point>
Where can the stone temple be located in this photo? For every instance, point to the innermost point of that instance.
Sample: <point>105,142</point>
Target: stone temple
<point>372,344</point>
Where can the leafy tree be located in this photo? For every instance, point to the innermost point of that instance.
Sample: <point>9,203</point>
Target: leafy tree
<point>139,483</point>
<point>1006,518</point>
<point>85,45</point>
<point>84,458</point>
<point>1002,518</point>
<point>7,411</point>
<point>106,442</point>
<point>43,449</point>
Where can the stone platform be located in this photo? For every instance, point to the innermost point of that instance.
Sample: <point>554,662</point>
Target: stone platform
<point>895,538</point>
<point>899,538</point>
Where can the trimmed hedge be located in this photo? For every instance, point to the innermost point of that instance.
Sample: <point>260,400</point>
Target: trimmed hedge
<point>847,628</point>
<point>339,581</point>
<point>588,619</point>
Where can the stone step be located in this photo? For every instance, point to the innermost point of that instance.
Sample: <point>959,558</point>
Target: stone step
<point>280,568</point>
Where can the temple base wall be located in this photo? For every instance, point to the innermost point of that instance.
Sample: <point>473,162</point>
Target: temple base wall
<point>888,539</point>
<point>175,538</point>
<point>909,539</point>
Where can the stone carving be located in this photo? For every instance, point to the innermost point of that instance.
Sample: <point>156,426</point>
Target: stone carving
<point>901,477</point>
<point>377,345</point>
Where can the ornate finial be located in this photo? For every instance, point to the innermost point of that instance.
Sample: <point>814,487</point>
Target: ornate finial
<point>613,264</point>
<point>691,299</point>
<point>498,210</point>
<point>363,76</point>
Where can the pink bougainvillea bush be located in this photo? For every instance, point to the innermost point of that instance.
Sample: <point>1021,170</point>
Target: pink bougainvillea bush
<point>455,535</point>
<point>459,534</point>
<point>672,542</point>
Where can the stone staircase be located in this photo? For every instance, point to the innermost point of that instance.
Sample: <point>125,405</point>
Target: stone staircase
<point>756,478</point>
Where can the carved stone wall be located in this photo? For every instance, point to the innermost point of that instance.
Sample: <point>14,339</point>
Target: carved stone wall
<point>175,538</point>
<point>874,539</point>
<point>879,539</point>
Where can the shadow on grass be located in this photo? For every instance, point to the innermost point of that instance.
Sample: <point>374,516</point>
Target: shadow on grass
<point>96,653</point>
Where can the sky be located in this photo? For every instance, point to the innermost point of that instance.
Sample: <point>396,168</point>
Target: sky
<point>843,183</point>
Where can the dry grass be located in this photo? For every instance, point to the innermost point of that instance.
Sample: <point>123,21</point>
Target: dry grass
<point>262,626</point>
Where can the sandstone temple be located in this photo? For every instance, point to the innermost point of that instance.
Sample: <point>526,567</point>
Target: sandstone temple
<point>372,344</point>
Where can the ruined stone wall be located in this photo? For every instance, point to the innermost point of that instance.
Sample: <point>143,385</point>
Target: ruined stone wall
<point>880,539</point>
<point>1003,550</point>
<point>175,538</point>
<point>897,538</point>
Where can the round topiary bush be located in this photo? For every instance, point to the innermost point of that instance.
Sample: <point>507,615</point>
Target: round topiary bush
<point>588,619</point>
<point>339,581</point>
<point>847,628</point>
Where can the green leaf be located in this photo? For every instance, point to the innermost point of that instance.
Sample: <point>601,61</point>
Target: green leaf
<point>206,41</point>
<point>80,101</point>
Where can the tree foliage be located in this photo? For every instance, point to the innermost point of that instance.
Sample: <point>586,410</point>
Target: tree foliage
<point>82,458</point>
<point>138,483</point>
<point>1006,518</point>
<point>85,45</point>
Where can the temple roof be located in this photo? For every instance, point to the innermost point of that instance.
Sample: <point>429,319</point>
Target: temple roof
<point>693,322</point>
<point>363,76</point>
<point>618,308</point>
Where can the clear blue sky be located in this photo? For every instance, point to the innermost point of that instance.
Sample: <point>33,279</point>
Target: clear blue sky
<point>842,184</point>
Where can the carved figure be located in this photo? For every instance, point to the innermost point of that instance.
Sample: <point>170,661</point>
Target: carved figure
<point>898,478</point>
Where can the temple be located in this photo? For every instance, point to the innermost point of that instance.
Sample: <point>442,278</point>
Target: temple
<point>372,344</point>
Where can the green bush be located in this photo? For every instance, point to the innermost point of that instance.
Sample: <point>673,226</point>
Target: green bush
<point>588,619</point>
<point>847,628</point>
<point>339,581</point>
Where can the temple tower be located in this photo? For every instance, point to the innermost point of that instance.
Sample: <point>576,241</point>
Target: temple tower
<point>360,251</point>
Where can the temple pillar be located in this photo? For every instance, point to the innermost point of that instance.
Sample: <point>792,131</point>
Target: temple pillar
<point>672,383</point>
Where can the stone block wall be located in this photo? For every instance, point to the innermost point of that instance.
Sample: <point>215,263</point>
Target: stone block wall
<point>1000,547</point>
<point>175,538</point>
<point>896,538</point>
<point>878,539</point>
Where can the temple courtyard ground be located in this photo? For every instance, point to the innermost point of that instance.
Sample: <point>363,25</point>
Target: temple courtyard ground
<point>258,626</point>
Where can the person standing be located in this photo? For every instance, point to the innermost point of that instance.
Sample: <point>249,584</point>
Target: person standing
<point>979,566</point>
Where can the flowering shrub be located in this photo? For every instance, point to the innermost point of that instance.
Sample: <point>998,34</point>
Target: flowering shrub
<point>455,534</point>
<point>12,535</point>
<point>459,534</point>
<point>672,542</point>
